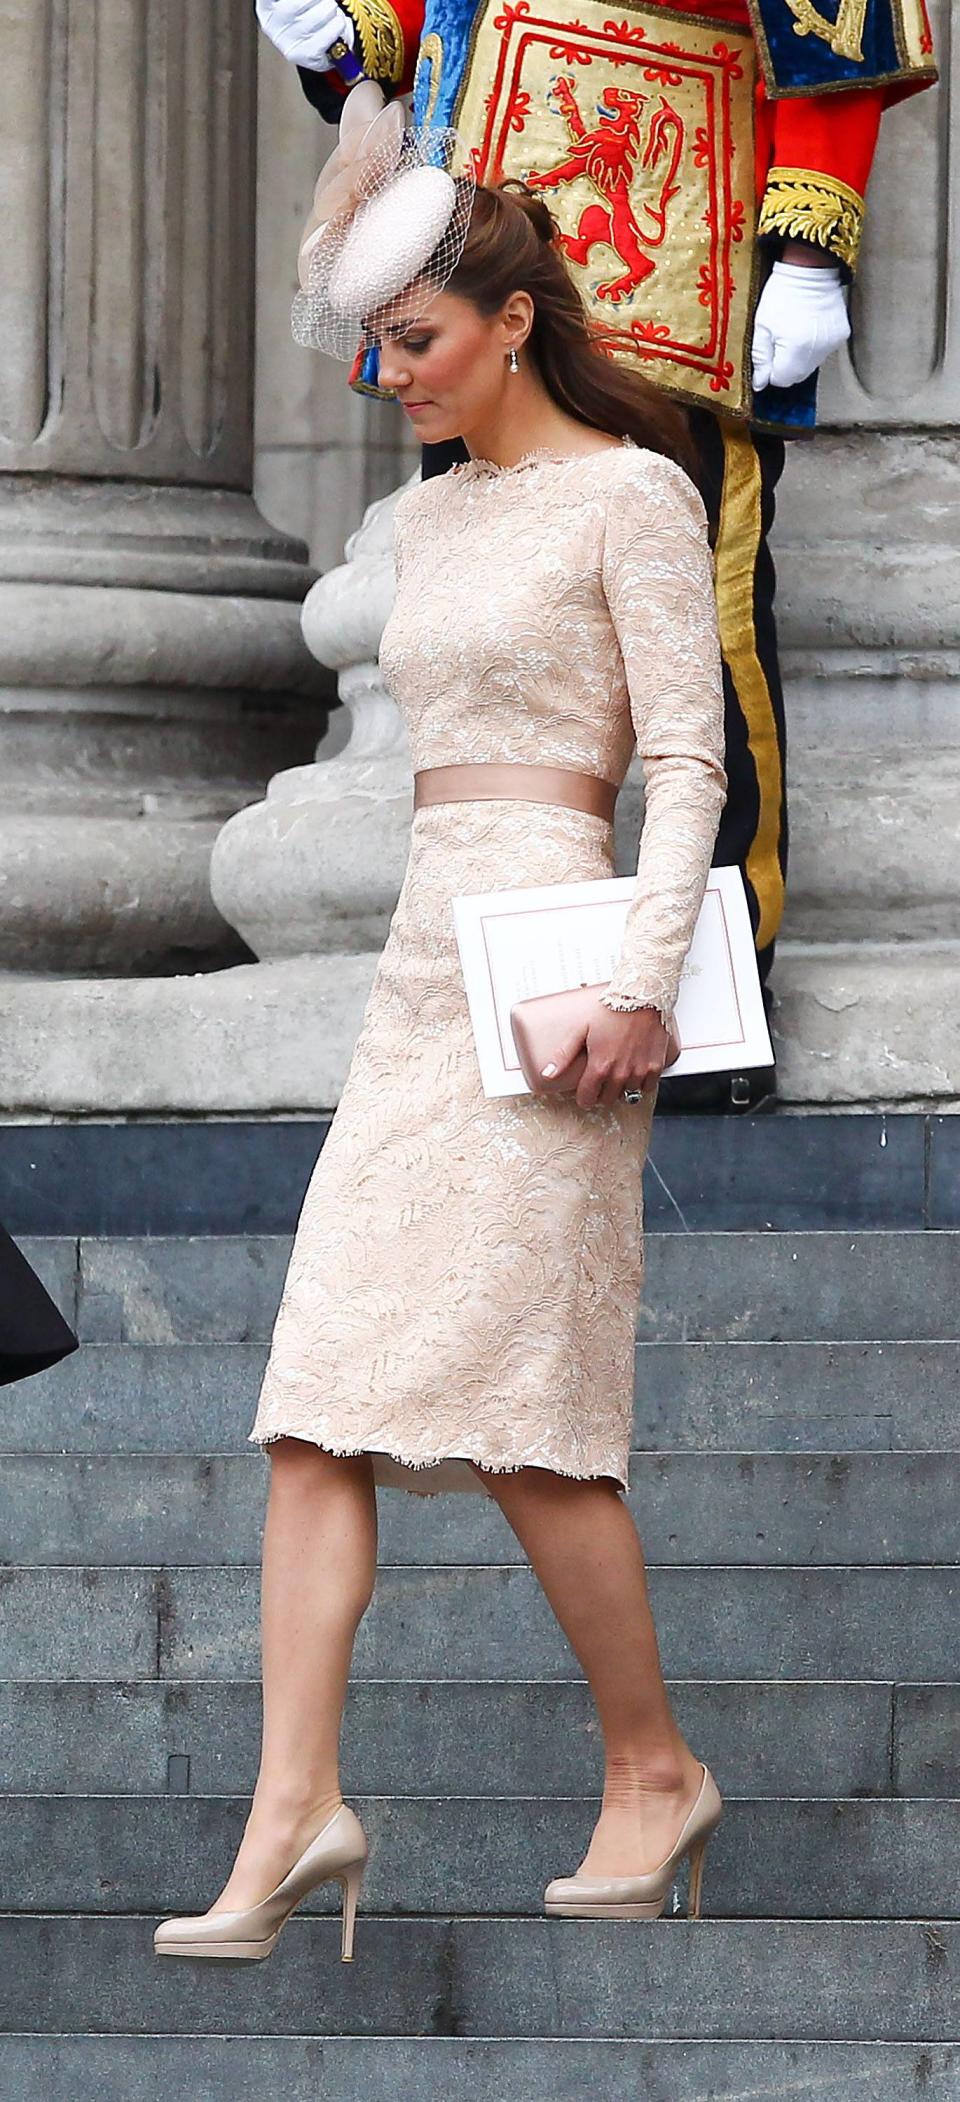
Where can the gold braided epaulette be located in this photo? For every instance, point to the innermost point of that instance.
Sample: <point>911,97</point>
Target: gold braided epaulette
<point>808,206</point>
<point>381,38</point>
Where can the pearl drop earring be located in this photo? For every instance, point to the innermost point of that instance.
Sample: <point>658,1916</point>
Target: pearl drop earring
<point>514,360</point>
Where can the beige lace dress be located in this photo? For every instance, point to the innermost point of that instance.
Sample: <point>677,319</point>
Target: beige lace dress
<point>466,1273</point>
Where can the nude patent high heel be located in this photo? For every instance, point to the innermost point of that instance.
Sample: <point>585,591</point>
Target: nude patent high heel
<point>338,1850</point>
<point>643,1897</point>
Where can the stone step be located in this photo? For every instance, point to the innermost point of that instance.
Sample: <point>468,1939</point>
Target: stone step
<point>797,1738</point>
<point>739,1397</point>
<point>753,1508</point>
<point>796,1980</point>
<point>789,1172</point>
<point>703,1287</point>
<point>481,1857</point>
<point>56,1260</point>
<point>420,2069</point>
<point>487,1623</point>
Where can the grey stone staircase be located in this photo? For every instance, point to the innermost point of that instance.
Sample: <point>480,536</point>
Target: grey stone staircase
<point>797,1486</point>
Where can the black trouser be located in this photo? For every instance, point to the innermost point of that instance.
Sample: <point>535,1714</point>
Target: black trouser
<point>740,469</point>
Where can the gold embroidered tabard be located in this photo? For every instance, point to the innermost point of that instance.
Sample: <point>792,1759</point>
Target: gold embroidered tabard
<point>637,128</point>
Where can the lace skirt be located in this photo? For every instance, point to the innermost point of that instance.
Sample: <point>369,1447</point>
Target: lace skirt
<point>466,1273</point>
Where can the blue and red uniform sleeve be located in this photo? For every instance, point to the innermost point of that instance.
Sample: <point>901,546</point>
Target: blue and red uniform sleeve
<point>387,43</point>
<point>815,153</point>
<point>815,149</point>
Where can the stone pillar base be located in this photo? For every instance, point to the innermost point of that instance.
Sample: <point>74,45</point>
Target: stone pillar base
<point>316,867</point>
<point>152,677</point>
<point>858,1025</point>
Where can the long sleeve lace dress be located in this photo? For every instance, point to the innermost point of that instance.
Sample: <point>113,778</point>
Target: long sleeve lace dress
<point>466,1273</point>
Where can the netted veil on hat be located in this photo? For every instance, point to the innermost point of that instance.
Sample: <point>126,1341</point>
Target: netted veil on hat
<point>388,225</point>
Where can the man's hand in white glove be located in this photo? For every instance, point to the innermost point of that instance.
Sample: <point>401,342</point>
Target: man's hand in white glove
<point>801,317</point>
<point>305,30</point>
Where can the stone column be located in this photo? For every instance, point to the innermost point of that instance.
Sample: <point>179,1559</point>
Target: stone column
<point>152,671</point>
<point>868,557</point>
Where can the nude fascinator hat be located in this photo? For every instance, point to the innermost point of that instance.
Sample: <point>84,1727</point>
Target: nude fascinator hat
<point>387,228</point>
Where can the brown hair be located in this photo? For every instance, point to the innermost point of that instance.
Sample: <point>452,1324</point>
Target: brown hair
<point>512,245</point>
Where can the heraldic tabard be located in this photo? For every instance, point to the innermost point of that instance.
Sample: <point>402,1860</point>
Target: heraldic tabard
<point>677,146</point>
<point>639,132</point>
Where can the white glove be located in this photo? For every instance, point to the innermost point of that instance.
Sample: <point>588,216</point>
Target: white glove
<point>801,317</point>
<point>304,30</point>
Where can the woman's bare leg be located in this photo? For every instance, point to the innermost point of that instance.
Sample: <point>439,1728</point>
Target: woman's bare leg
<point>583,1546</point>
<point>319,1565</point>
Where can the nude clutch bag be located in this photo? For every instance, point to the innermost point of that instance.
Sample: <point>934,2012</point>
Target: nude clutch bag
<point>540,1024</point>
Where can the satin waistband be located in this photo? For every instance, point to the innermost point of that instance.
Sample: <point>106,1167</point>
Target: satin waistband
<point>508,779</point>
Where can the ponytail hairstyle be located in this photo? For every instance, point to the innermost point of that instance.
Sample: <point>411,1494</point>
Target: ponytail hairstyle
<point>512,245</point>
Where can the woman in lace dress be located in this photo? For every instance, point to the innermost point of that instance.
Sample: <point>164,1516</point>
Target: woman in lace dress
<point>461,1301</point>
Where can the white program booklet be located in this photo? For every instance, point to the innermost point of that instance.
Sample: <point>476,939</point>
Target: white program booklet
<point>517,943</point>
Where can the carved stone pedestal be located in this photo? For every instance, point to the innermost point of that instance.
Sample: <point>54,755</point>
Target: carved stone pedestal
<point>316,868</point>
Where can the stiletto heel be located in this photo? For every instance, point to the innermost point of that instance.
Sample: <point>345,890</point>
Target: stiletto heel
<point>697,1853</point>
<point>337,1852</point>
<point>351,1892</point>
<point>643,1897</point>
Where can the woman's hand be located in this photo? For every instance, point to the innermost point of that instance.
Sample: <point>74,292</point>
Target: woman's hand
<point>625,1049</point>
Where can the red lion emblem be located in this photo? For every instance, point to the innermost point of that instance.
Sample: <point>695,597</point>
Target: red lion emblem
<point>608,156</point>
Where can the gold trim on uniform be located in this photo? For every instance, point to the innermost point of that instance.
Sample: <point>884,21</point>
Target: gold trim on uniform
<point>844,34</point>
<point>381,38</point>
<point>916,37</point>
<point>911,27</point>
<point>808,206</point>
<point>738,540</point>
<point>431,54</point>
